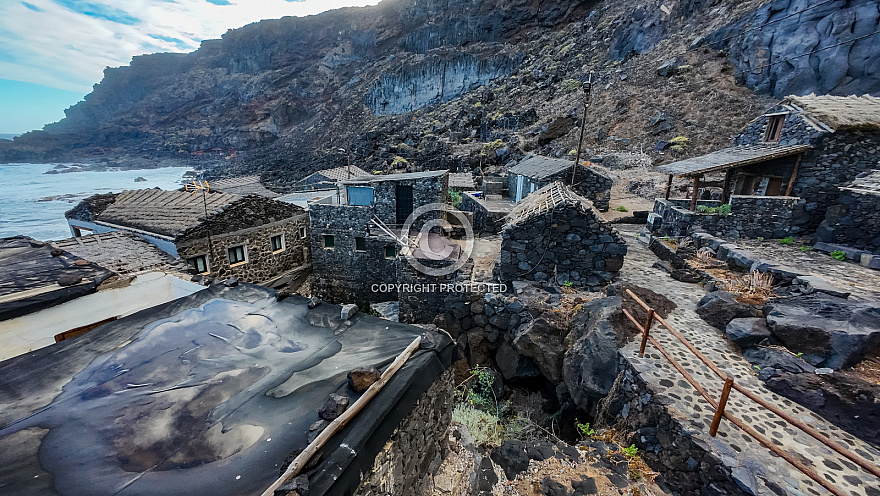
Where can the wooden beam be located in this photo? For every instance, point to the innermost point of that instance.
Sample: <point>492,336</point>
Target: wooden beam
<point>797,166</point>
<point>725,190</point>
<point>668,186</point>
<point>695,194</point>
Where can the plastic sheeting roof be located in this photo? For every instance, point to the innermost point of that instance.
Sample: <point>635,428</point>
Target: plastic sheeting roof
<point>205,395</point>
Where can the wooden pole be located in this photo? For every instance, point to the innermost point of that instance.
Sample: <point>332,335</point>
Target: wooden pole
<point>300,461</point>
<point>725,191</point>
<point>647,329</point>
<point>719,412</point>
<point>797,165</point>
<point>668,186</point>
<point>695,194</point>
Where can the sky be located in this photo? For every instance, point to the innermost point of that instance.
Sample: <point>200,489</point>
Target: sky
<point>53,51</point>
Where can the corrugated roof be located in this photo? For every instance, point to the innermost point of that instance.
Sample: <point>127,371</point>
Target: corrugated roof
<point>121,252</point>
<point>397,177</point>
<point>729,158</point>
<point>540,167</point>
<point>167,213</point>
<point>461,180</point>
<point>247,185</point>
<point>842,112</point>
<point>868,182</point>
<point>544,200</point>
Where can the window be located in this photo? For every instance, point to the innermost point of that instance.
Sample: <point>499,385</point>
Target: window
<point>774,128</point>
<point>390,251</point>
<point>302,233</point>
<point>237,254</point>
<point>277,243</point>
<point>360,244</point>
<point>359,195</point>
<point>200,263</point>
<point>329,241</point>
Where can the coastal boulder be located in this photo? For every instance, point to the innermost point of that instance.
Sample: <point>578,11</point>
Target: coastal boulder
<point>590,363</point>
<point>718,308</point>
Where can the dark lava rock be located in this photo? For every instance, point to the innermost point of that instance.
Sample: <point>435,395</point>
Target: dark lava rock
<point>361,378</point>
<point>830,332</point>
<point>590,363</point>
<point>511,456</point>
<point>316,428</point>
<point>56,252</point>
<point>69,280</point>
<point>748,331</point>
<point>540,450</point>
<point>718,308</point>
<point>585,486</point>
<point>486,476</point>
<point>299,484</point>
<point>514,366</point>
<point>545,345</point>
<point>848,402</point>
<point>428,341</point>
<point>550,487</point>
<point>314,301</point>
<point>334,407</point>
<point>773,361</point>
<point>557,129</point>
<point>231,282</point>
<point>685,275</point>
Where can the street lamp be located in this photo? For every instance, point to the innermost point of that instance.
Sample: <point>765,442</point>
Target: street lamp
<point>587,87</point>
<point>348,171</point>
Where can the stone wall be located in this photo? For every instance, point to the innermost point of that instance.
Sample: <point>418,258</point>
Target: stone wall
<point>408,461</point>
<point>590,184</point>
<point>485,221</point>
<point>252,222</point>
<point>647,418</point>
<point>795,130</point>
<point>569,243</point>
<point>855,221</point>
<point>342,274</point>
<point>750,217</point>
<point>426,190</point>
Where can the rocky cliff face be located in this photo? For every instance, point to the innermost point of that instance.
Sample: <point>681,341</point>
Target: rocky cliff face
<point>461,84</point>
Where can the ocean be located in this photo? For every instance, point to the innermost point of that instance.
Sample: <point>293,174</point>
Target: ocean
<point>33,203</point>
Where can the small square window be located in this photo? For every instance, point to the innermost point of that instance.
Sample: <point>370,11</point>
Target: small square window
<point>360,244</point>
<point>302,233</point>
<point>200,264</point>
<point>329,241</point>
<point>390,251</point>
<point>237,254</point>
<point>277,243</point>
<point>774,128</point>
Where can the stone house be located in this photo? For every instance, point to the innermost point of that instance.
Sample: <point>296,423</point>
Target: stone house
<point>350,251</point>
<point>855,220</point>
<point>556,233</point>
<point>247,185</point>
<point>328,178</point>
<point>252,238</point>
<point>784,171</point>
<point>535,171</point>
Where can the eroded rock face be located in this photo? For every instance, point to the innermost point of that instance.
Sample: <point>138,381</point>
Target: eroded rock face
<point>590,365</point>
<point>545,344</point>
<point>829,331</point>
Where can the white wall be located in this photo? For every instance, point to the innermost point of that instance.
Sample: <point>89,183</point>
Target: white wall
<point>36,330</point>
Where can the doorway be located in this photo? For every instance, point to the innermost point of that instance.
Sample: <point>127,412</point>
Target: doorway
<point>404,197</point>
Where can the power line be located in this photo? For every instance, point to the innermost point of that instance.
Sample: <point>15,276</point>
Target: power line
<point>816,50</point>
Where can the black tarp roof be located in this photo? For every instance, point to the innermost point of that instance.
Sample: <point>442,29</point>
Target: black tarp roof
<point>204,395</point>
<point>30,275</point>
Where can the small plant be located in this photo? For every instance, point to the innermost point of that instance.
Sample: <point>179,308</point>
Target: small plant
<point>787,241</point>
<point>585,429</point>
<point>723,209</point>
<point>570,85</point>
<point>631,451</point>
<point>760,238</point>
<point>799,354</point>
<point>679,143</point>
<point>622,209</point>
<point>838,255</point>
<point>455,198</point>
<point>805,248</point>
<point>567,284</point>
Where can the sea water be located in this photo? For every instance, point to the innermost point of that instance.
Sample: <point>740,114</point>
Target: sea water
<point>33,203</point>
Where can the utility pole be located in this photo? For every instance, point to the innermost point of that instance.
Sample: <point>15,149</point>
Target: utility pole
<point>587,87</point>
<point>348,156</point>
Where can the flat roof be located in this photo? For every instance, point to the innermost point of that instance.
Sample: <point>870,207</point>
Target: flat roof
<point>731,158</point>
<point>204,395</point>
<point>378,178</point>
<point>461,180</point>
<point>540,167</point>
<point>122,252</point>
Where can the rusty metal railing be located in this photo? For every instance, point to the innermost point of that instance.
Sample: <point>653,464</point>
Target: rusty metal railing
<point>730,384</point>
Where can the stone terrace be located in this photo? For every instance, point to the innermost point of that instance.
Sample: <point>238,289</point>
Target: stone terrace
<point>741,456</point>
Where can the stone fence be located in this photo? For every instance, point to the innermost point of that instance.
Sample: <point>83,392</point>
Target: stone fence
<point>750,217</point>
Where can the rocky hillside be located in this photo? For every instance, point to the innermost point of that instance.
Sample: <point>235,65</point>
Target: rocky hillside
<point>415,84</point>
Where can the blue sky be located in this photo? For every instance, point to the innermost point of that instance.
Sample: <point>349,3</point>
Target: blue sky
<point>53,51</point>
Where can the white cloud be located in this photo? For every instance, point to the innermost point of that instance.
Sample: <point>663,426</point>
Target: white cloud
<point>67,43</point>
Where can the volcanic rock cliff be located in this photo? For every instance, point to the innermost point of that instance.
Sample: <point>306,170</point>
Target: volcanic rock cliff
<point>453,84</point>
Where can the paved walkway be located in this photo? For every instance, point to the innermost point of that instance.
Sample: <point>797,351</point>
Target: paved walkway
<point>732,443</point>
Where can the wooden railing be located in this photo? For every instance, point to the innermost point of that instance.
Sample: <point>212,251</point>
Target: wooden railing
<point>730,384</point>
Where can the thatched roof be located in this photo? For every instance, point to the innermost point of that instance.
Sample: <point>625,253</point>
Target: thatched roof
<point>247,185</point>
<point>730,158</point>
<point>842,112</point>
<point>121,252</point>
<point>544,200</point>
<point>167,213</point>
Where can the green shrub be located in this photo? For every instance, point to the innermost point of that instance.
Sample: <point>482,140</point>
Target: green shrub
<point>631,451</point>
<point>723,209</point>
<point>584,429</point>
<point>679,143</point>
<point>570,85</point>
<point>484,427</point>
<point>838,255</point>
<point>622,209</point>
<point>787,241</point>
<point>455,198</point>
<point>805,248</point>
